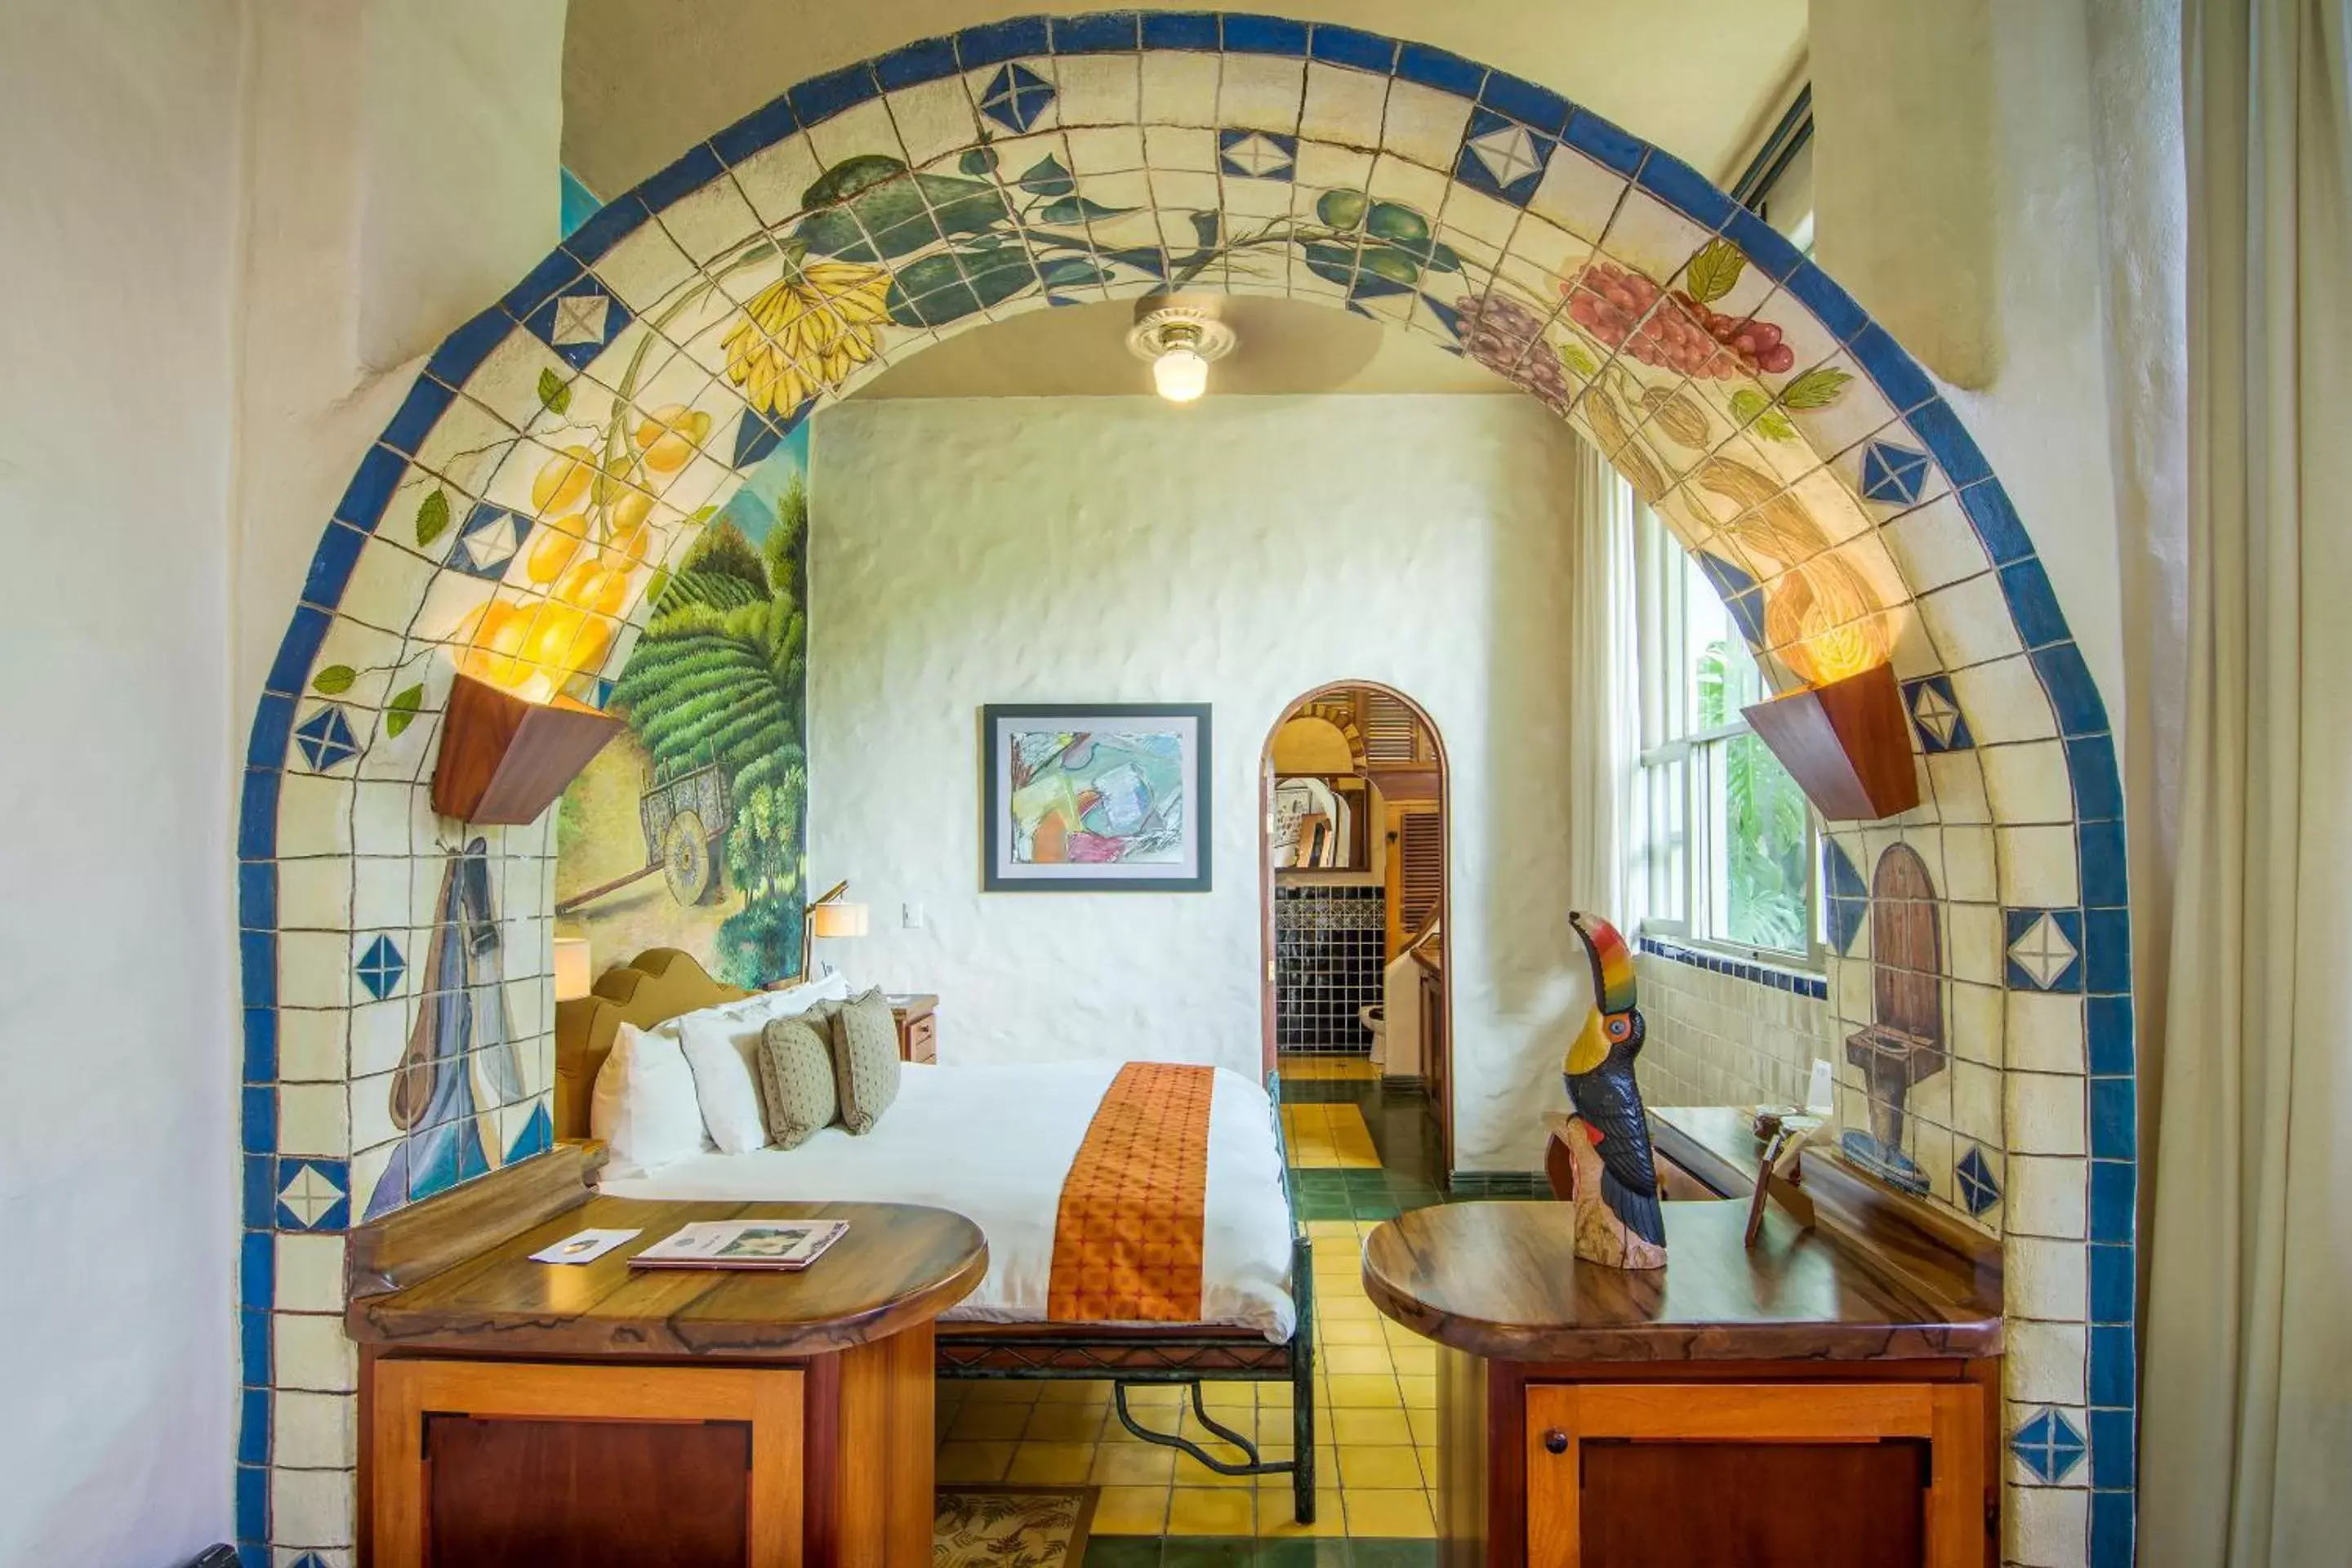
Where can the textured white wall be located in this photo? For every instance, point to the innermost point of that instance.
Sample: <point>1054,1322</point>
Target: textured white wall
<point>117,1080</point>
<point>1240,552</point>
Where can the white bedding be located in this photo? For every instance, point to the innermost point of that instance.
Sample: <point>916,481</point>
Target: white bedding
<point>994,1143</point>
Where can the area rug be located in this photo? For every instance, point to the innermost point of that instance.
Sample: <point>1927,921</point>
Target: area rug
<point>1011,1527</point>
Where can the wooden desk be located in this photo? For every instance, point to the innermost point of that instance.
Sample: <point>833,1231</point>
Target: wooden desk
<point>516,1411</point>
<point>1582,1408</point>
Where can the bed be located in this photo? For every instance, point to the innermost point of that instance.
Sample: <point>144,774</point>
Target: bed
<point>995,1143</point>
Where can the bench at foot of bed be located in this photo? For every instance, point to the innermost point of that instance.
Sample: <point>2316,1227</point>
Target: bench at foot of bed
<point>1184,1354</point>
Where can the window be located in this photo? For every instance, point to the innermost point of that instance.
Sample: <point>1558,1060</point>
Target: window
<point>1729,843</point>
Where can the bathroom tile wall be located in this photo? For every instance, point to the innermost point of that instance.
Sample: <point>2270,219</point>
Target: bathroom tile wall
<point>1834,497</point>
<point>1717,1037</point>
<point>1328,947</point>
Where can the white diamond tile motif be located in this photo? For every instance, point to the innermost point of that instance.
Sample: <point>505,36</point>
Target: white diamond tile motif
<point>1508,153</point>
<point>580,319</point>
<point>2043,950</point>
<point>309,1194</point>
<point>1936,714</point>
<point>1257,156</point>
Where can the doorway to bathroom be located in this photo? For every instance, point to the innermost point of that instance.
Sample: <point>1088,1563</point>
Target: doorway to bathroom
<point>1353,899</point>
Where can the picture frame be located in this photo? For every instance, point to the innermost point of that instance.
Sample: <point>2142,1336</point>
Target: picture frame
<point>1096,797</point>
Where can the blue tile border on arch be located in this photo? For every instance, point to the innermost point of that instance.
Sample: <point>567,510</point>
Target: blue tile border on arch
<point>2058,662</point>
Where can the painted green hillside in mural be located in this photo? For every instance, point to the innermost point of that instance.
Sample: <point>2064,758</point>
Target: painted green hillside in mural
<point>688,831</point>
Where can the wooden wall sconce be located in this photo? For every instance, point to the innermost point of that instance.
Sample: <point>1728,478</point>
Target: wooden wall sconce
<point>1847,744</point>
<point>504,759</point>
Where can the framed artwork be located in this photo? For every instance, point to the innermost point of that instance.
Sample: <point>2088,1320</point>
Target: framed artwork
<point>1108,797</point>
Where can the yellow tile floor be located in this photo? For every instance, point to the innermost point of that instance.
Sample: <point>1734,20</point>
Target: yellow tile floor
<point>1376,1431</point>
<point>1326,1069</point>
<point>1327,1138</point>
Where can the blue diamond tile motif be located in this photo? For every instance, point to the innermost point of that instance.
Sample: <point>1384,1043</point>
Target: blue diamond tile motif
<point>1978,1188</point>
<point>1257,155</point>
<point>1016,96</point>
<point>2049,1446</point>
<point>2044,948</point>
<point>487,542</point>
<point>381,967</point>
<point>314,1194</point>
<point>579,322</point>
<point>1936,715</point>
<point>1502,157</point>
<point>326,738</point>
<point>1894,475</point>
<point>1849,896</point>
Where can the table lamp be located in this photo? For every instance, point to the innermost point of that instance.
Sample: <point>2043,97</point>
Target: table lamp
<point>572,975</point>
<point>829,916</point>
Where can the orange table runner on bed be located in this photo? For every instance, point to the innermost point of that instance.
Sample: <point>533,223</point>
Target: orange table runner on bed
<point>1127,1237</point>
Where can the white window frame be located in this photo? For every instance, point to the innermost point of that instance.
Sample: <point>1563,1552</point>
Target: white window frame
<point>1678,856</point>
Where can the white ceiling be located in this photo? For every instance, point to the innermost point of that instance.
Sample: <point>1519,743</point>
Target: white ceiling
<point>643,80</point>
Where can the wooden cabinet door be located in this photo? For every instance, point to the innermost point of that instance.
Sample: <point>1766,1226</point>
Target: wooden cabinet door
<point>558,1464</point>
<point>1867,1475</point>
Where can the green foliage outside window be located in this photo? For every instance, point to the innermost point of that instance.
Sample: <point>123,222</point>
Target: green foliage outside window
<point>1763,861</point>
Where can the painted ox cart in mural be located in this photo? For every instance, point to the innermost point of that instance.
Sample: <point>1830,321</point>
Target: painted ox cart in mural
<point>686,815</point>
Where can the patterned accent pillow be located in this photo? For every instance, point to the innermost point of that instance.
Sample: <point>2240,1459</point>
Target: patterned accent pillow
<point>865,1058</point>
<point>796,1081</point>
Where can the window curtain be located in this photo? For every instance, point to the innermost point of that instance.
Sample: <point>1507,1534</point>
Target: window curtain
<point>2247,1419</point>
<point>1603,695</point>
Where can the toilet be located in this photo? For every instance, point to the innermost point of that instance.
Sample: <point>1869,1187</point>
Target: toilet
<point>1374,1018</point>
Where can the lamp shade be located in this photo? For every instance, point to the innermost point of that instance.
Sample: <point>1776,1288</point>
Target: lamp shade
<point>837,919</point>
<point>571,969</point>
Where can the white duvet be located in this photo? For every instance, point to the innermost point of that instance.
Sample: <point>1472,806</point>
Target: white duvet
<point>993,1144</point>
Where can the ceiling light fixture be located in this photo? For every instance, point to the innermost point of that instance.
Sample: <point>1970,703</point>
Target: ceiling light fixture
<point>1180,336</point>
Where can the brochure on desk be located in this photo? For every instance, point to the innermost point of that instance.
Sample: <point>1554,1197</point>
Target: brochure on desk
<point>773,1243</point>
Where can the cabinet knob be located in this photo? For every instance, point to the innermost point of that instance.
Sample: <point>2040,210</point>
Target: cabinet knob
<point>1555,1441</point>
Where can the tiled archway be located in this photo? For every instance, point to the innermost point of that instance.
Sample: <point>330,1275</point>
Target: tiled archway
<point>537,491</point>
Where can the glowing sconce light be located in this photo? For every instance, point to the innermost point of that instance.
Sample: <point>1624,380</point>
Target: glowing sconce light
<point>1844,737</point>
<point>1179,335</point>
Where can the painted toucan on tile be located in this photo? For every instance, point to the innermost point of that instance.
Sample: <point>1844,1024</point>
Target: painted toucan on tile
<point>1617,1221</point>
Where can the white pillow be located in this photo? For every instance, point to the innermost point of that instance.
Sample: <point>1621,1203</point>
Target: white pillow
<point>720,1043</point>
<point>644,1106</point>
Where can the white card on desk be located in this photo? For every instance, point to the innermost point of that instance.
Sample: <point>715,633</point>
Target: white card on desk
<point>584,1246</point>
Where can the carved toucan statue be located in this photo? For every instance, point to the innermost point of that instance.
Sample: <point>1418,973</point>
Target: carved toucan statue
<point>1618,1218</point>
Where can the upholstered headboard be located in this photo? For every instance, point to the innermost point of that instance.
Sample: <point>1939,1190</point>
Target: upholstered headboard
<point>652,988</point>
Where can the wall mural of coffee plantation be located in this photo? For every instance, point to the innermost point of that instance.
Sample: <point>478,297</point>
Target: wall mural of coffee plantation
<point>687,831</point>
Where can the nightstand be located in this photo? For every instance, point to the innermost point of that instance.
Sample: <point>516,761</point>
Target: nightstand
<point>918,1027</point>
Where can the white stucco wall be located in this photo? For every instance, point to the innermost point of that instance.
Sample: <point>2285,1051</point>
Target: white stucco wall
<point>383,207</point>
<point>117,1080</point>
<point>2015,302</point>
<point>1239,552</point>
<point>213,209</point>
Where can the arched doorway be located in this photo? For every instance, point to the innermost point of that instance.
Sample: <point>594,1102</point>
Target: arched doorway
<point>1362,866</point>
<point>622,391</point>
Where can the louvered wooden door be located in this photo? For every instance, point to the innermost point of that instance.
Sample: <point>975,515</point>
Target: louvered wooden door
<point>1420,877</point>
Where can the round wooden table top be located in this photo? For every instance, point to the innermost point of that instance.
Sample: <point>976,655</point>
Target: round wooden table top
<point>897,1265</point>
<point>1502,1281</point>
